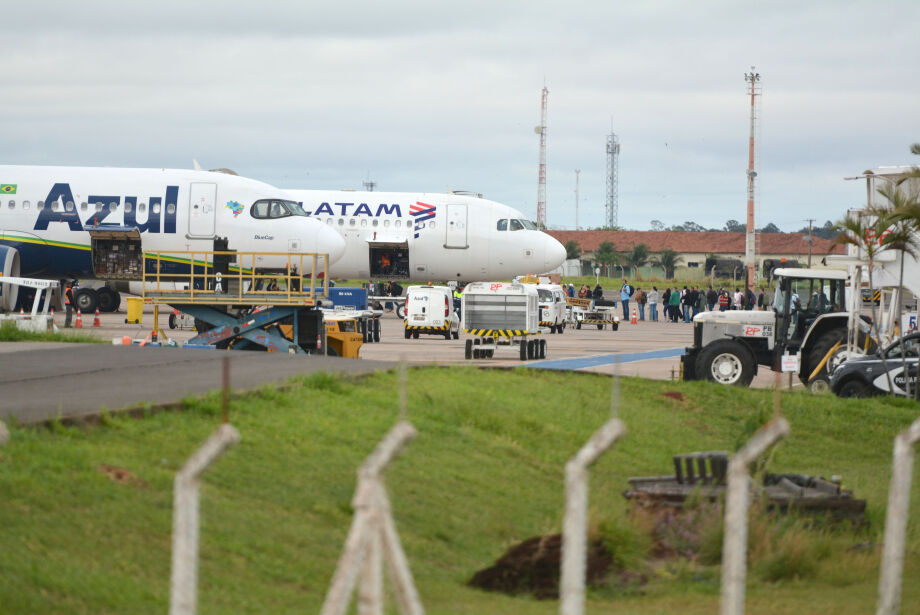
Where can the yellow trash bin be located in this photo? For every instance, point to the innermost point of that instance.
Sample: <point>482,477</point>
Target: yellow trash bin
<point>135,310</point>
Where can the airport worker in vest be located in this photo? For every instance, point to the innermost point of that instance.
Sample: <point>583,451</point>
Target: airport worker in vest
<point>69,302</point>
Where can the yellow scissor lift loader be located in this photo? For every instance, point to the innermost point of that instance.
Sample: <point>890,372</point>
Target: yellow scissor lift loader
<point>238,305</point>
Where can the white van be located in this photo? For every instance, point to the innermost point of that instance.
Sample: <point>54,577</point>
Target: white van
<point>551,299</point>
<point>430,310</point>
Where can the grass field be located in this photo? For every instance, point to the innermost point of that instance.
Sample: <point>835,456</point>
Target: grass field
<point>485,472</point>
<point>9,332</point>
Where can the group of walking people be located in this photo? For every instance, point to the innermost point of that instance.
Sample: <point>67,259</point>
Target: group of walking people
<point>678,304</point>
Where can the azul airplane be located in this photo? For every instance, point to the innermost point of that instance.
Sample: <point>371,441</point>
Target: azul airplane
<point>47,213</point>
<point>428,236</point>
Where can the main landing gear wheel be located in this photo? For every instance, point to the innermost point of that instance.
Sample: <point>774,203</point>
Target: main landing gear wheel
<point>86,300</point>
<point>726,362</point>
<point>108,299</point>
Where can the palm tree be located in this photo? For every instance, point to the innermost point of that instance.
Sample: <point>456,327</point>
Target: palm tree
<point>862,232</point>
<point>636,257</point>
<point>606,254</point>
<point>902,236</point>
<point>668,260</point>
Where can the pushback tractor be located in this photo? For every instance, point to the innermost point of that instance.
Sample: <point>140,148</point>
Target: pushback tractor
<point>809,322</point>
<point>501,315</point>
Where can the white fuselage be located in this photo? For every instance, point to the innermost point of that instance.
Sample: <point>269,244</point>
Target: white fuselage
<point>436,236</point>
<point>45,212</point>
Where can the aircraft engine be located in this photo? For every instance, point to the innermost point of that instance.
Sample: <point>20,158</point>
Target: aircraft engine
<point>9,267</point>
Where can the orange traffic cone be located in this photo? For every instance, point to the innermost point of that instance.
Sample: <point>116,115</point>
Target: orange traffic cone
<point>52,312</point>
<point>632,318</point>
<point>96,322</point>
<point>21,311</point>
<point>79,323</point>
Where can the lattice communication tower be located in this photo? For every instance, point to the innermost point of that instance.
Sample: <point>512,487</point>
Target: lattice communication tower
<point>613,161</point>
<point>541,183</point>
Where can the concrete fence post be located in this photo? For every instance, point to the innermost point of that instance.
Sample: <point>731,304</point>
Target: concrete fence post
<point>575,523</point>
<point>4,434</point>
<point>372,539</point>
<point>889,586</point>
<point>737,502</point>
<point>183,587</point>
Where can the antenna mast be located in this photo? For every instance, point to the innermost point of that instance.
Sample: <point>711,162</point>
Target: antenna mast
<point>750,257</point>
<point>577,171</point>
<point>541,185</point>
<point>613,160</point>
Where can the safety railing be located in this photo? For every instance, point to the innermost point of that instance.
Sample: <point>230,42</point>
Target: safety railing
<point>239,278</point>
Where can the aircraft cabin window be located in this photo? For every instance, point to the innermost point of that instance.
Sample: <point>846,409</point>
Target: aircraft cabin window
<point>502,225</point>
<point>386,223</point>
<point>363,222</point>
<point>98,206</point>
<point>12,204</point>
<point>113,206</point>
<point>516,225</point>
<point>142,207</point>
<point>156,208</point>
<point>329,221</point>
<point>398,223</point>
<point>375,222</point>
<point>341,222</point>
<point>69,206</point>
<point>83,206</point>
<point>351,222</point>
<point>171,208</point>
<point>128,206</point>
<point>431,224</point>
<point>41,204</point>
<point>56,206</point>
<point>25,204</point>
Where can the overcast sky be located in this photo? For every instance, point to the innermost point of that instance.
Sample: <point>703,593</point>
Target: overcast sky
<point>429,96</point>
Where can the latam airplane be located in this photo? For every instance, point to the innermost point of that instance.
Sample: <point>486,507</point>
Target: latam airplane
<point>47,213</point>
<point>429,236</point>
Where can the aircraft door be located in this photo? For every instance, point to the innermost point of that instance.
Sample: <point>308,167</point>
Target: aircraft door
<point>456,226</point>
<point>202,202</point>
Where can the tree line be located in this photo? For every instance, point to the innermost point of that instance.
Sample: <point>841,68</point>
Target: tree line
<point>826,231</point>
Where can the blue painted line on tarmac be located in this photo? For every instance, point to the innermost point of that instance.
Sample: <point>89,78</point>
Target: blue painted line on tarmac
<point>607,359</point>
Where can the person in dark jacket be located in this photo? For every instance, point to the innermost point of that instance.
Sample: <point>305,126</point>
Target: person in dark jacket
<point>712,297</point>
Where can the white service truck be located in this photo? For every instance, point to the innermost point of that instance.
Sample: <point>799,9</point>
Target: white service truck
<point>501,314</point>
<point>551,301</point>
<point>430,310</point>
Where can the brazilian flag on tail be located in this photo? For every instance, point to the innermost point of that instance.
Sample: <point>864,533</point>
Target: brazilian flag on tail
<point>8,188</point>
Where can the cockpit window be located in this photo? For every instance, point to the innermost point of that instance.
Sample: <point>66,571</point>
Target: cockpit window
<point>502,225</point>
<point>268,209</point>
<point>530,226</point>
<point>517,225</point>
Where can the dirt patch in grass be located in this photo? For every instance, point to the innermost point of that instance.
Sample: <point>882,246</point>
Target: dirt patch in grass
<point>675,395</point>
<point>533,567</point>
<point>122,476</point>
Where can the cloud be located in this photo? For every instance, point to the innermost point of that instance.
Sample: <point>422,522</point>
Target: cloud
<point>422,97</point>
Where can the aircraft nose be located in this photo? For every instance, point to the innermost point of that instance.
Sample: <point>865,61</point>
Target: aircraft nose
<point>328,241</point>
<point>554,254</point>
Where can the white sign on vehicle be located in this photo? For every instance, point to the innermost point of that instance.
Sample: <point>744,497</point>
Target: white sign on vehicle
<point>790,363</point>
